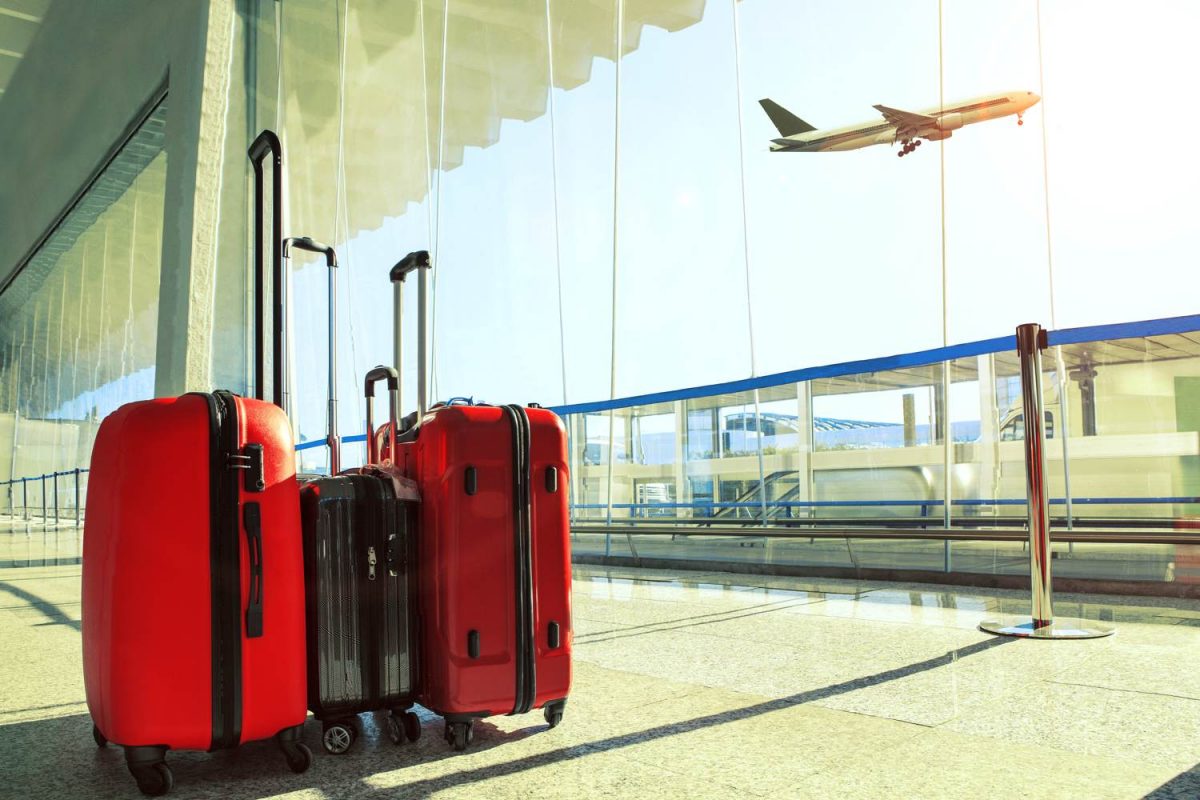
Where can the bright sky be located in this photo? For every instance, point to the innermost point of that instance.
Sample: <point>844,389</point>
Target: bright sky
<point>845,249</point>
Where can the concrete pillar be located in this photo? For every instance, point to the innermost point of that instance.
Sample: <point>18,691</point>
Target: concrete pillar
<point>196,128</point>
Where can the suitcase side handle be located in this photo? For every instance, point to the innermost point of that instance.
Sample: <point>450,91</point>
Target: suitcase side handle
<point>393,384</point>
<point>254,607</point>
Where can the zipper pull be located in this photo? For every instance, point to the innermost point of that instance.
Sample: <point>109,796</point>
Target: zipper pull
<point>371,563</point>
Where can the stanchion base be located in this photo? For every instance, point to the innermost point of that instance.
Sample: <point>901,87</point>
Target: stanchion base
<point>1061,628</point>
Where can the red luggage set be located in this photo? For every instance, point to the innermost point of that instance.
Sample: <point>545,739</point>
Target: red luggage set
<point>224,596</point>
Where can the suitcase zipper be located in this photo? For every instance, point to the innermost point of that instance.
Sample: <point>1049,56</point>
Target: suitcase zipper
<point>225,572</point>
<point>526,678</point>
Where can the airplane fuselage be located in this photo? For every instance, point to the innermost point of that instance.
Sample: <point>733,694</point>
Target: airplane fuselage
<point>941,123</point>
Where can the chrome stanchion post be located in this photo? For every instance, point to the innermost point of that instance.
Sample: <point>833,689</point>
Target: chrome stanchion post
<point>25,497</point>
<point>43,499</point>
<point>1041,624</point>
<point>77,497</point>
<point>56,498</point>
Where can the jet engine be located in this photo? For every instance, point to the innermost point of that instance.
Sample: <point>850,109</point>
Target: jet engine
<point>950,122</point>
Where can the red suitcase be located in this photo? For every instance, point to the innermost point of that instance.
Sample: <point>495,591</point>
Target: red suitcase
<point>493,556</point>
<point>494,561</point>
<point>193,582</point>
<point>193,575</point>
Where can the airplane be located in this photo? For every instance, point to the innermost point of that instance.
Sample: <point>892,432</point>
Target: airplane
<point>906,127</point>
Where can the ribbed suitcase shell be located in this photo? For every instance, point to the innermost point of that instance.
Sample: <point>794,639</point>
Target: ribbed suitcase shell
<point>467,559</point>
<point>150,567</point>
<point>360,630</point>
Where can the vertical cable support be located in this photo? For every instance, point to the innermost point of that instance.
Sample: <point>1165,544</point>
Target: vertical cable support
<point>562,336</point>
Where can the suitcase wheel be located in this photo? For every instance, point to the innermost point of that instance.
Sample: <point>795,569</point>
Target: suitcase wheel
<point>149,768</point>
<point>403,726</point>
<point>155,780</point>
<point>553,712</point>
<point>459,735</point>
<point>338,737</point>
<point>412,726</point>
<point>98,737</point>
<point>299,758</point>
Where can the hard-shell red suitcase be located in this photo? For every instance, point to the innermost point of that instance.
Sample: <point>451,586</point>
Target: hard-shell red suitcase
<point>493,554</point>
<point>193,573</point>
<point>494,561</point>
<point>193,582</point>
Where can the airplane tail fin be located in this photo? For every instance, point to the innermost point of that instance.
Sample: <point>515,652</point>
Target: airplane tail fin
<point>787,122</point>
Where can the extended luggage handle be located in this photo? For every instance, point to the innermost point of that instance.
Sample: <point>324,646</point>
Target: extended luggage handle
<point>417,260</point>
<point>306,243</point>
<point>393,384</point>
<point>267,143</point>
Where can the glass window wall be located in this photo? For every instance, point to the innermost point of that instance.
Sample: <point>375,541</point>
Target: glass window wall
<point>78,325</point>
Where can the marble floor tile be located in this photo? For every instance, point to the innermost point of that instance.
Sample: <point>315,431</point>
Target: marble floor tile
<point>1150,728</point>
<point>938,764</point>
<point>707,685</point>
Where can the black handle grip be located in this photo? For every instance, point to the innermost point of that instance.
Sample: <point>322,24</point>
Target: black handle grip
<point>377,374</point>
<point>417,259</point>
<point>266,144</point>
<point>312,246</point>
<point>254,610</point>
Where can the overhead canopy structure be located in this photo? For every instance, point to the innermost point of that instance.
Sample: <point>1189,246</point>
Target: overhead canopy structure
<point>362,116</point>
<point>365,96</point>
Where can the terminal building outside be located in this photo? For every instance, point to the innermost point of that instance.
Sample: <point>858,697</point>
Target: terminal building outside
<point>786,376</point>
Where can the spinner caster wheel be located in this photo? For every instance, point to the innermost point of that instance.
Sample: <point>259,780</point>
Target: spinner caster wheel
<point>299,758</point>
<point>338,737</point>
<point>149,768</point>
<point>412,726</point>
<point>403,726</point>
<point>98,737</point>
<point>553,712</point>
<point>459,735</point>
<point>154,780</point>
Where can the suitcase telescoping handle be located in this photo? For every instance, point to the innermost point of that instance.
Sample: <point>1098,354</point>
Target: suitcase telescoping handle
<point>305,243</point>
<point>393,383</point>
<point>417,260</point>
<point>266,144</point>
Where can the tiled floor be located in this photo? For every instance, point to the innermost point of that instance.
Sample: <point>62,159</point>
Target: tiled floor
<point>708,685</point>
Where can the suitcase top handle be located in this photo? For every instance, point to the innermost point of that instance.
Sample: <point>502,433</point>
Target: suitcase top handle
<point>393,383</point>
<point>266,144</point>
<point>414,260</point>
<point>417,260</point>
<point>306,243</point>
<point>379,373</point>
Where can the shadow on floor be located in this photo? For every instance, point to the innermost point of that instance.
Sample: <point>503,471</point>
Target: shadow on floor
<point>48,609</point>
<point>1184,786</point>
<point>56,758</point>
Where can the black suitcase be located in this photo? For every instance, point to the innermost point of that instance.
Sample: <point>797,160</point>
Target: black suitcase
<point>359,539</point>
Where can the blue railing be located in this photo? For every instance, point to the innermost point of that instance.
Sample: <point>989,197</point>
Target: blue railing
<point>921,358</point>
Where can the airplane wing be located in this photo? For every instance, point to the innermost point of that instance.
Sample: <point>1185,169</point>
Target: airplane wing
<point>906,122</point>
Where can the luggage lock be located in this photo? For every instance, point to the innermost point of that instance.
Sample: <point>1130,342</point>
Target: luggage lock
<point>251,460</point>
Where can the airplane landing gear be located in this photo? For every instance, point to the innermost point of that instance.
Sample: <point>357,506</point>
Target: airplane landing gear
<point>909,146</point>
<point>1020,120</point>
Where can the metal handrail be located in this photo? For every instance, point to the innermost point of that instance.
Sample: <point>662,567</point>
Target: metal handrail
<point>1093,535</point>
<point>53,476</point>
